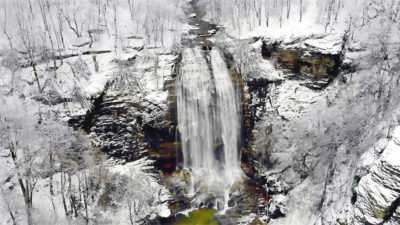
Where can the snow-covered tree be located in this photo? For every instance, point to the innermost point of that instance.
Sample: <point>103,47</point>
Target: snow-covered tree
<point>18,127</point>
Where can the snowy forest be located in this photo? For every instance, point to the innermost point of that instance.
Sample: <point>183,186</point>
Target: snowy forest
<point>251,112</point>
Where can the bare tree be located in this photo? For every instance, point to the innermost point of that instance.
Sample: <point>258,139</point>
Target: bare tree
<point>43,6</point>
<point>60,22</point>
<point>138,196</point>
<point>257,7</point>
<point>288,6</point>
<point>131,9</point>
<point>281,14</point>
<point>5,26</point>
<point>56,137</point>
<point>20,137</point>
<point>114,5</point>
<point>7,202</point>
<point>246,62</point>
<point>301,9</point>
<point>329,11</point>
<point>10,61</point>
<point>26,34</point>
<point>267,11</point>
<point>72,20</point>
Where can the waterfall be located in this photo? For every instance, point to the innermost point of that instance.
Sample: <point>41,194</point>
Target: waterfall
<point>209,121</point>
<point>227,110</point>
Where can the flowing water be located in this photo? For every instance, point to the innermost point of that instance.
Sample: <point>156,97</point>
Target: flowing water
<point>209,122</point>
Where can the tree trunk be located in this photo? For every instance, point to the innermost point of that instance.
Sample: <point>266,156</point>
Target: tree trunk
<point>33,64</point>
<point>8,207</point>
<point>130,213</point>
<point>27,193</point>
<point>86,197</point>
<point>51,187</point>
<point>29,212</point>
<point>26,188</point>
<point>301,10</point>
<point>62,193</point>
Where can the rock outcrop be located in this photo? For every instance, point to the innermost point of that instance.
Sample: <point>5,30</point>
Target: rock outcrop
<point>318,65</point>
<point>378,192</point>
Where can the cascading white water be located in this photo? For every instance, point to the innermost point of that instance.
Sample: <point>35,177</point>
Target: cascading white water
<point>228,113</point>
<point>209,122</point>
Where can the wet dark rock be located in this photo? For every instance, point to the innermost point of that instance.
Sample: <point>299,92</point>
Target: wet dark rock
<point>220,204</point>
<point>258,91</point>
<point>231,202</point>
<point>166,155</point>
<point>209,203</point>
<point>161,220</point>
<point>267,50</point>
<point>276,214</point>
<point>206,48</point>
<point>155,136</point>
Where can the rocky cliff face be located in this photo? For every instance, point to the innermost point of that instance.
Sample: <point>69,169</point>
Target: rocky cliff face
<point>378,192</point>
<point>278,98</point>
<point>310,129</point>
